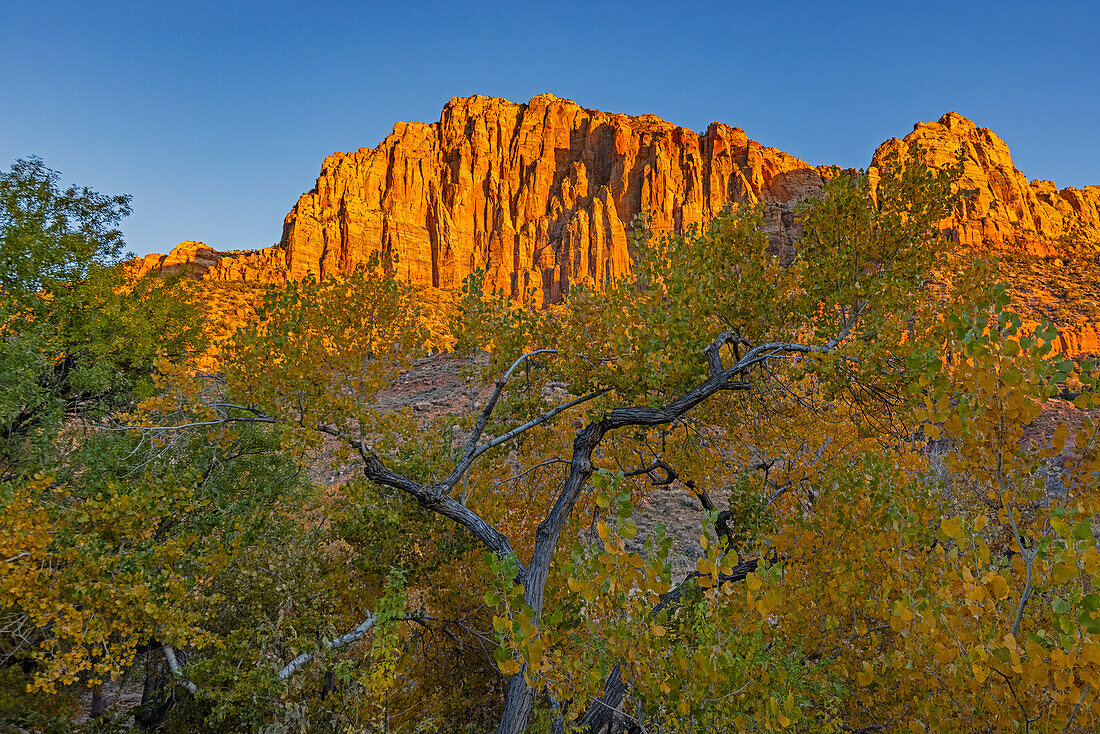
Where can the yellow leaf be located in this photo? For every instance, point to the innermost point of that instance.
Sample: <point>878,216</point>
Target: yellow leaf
<point>997,586</point>
<point>601,529</point>
<point>952,527</point>
<point>1060,434</point>
<point>1063,572</point>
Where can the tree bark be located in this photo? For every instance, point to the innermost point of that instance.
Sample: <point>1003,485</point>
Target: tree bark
<point>99,703</point>
<point>519,697</point>
<point>158,693</point>
<point>518,700</point>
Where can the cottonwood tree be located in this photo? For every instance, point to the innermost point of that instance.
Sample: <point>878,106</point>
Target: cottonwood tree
<point>714,354</point>
<point>105,537</point>
<point>916,587</point>
<point>78,340</point>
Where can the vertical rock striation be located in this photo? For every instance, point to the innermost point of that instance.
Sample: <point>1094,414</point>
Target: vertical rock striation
<point>538,195</point>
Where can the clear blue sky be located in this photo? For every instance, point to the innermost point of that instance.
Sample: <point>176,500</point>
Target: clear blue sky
<point>215,116</point>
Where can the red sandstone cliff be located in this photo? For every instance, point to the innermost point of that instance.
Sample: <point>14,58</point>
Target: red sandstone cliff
<point>541,196</point>
<point>1006,211</point>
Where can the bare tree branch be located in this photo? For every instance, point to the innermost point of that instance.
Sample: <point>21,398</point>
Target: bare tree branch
<point>487,411</point>
<point>433,497</point>
<point>1073,715</point>
<point>196,424</point>
<point>342,641</point>
<point>524,428</point>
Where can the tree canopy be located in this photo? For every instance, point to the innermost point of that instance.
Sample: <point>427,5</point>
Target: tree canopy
<point>891,538</point>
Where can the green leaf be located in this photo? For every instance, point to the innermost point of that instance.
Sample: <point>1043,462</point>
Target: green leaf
<point>629,529</point>
<point>1091,602</point>
<point>1083,530</point>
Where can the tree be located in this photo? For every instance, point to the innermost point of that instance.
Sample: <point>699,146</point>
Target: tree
<point>78,339</point>
<point>715,355</point>
<point>53,238</point>
<point>105,538</point>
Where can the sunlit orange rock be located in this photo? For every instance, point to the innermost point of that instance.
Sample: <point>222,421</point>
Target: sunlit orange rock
<point>194,257</point>
<point>200,262</point>
<point>1047,239</point>
<point>541,196</point>
<point>538,195</point>
<point>1005,210</point>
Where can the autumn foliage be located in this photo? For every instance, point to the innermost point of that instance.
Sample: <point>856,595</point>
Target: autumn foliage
<point>897,481</point>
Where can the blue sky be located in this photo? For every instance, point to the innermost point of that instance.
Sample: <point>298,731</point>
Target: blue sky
<point>215,116</point>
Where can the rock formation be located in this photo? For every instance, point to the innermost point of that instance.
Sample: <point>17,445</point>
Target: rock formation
<point>542,195</point>
<point>538,195</point>
<point>1005,210</point>
<point>1047,240</point>
<point>197,260</point>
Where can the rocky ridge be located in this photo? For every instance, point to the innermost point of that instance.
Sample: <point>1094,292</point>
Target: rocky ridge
<point>1005,210</point>
<point>202,262</point>
<point>1047,239</point>
<point>541,196</point>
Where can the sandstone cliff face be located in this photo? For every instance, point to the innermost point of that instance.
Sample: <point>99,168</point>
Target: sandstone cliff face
<point>1047,240</point>
<point>539,195</point>
<point>1006,211</point>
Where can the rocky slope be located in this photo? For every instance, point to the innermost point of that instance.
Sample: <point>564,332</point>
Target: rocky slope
<point>541,196</point>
